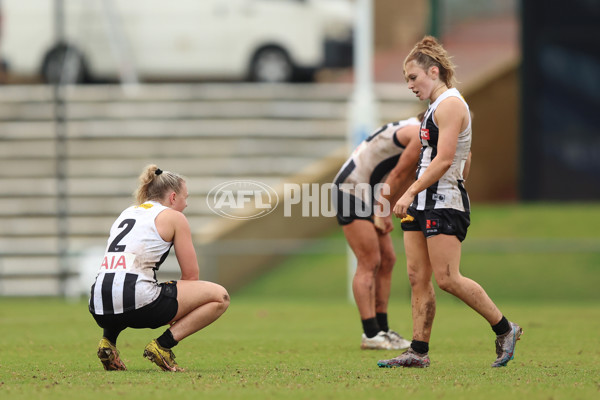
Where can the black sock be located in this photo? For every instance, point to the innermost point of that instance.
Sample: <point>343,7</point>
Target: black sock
<point>501,327</point>
<point>420,347</point>
<point>112,334</point>
<point>382,321</point>
<point>166,340</point>
<point>370,327</point>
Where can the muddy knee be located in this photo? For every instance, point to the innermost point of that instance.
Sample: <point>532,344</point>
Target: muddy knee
<point>387,262</point>
<point>417,278</point>
<point>224,299</point>
<point>447,284</point>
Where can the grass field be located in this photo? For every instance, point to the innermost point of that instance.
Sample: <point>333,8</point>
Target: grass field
<point>292,334</point>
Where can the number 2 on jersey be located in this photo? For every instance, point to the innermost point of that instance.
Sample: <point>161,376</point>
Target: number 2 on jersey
<point>115,246</point>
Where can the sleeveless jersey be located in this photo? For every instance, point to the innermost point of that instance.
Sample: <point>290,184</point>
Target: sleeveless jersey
<point>126,280</point>
<point>372,160</point>
<point>449,191</point>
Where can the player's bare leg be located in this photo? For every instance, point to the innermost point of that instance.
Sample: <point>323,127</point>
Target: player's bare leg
<point>199,304</point>
<point>445,260</point>
<point>383,285</point>
<point>364,241</point>
<point>422,292</point>
<point>422,301</point>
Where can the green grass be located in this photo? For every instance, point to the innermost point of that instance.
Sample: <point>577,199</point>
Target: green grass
<point>292,334</point>
<point>300,349</point>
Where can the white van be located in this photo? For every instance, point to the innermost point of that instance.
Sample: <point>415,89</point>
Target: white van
<point>260,40</point>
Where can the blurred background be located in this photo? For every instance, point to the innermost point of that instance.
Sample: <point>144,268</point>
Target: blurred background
<point>271,91</point>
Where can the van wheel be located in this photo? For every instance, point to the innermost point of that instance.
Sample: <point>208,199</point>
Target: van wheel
<point>271,64</point>
<point>66,63</point>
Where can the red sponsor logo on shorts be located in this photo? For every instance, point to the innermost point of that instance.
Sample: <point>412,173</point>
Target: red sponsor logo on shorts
<point>425,134</point>
<point>432,224</point>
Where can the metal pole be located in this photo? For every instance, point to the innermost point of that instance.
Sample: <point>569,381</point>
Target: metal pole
<point>119,45</point>
<point>62,208</point>
<point>362,105</point>
<point>362,109</point>
<point>435,28</point>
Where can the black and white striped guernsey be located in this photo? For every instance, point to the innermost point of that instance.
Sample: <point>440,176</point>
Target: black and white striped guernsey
<point>449,191</point>
<point>126,279</point>
<point>372,160</point>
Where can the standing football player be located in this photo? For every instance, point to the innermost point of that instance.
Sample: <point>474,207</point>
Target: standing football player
<point>436,210</point>
<point>378,171</point>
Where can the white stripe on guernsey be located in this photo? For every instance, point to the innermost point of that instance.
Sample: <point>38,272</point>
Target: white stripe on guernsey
<point>144,293</point>
<point>421,199</point>
<point>98,307</point>
<point>117,292</point>
<point>426,159</point>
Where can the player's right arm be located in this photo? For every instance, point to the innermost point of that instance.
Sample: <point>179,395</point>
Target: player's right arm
<point>403,174</point>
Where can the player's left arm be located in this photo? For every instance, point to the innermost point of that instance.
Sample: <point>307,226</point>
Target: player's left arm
<point>184,248</point>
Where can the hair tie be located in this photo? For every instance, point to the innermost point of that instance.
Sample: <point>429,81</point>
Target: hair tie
<point>158,171</point>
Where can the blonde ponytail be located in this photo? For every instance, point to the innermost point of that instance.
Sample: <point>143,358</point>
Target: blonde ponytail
<point>429,53</point>
<point>155,183</point>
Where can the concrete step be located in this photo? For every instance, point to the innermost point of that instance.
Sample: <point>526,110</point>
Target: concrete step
<point>201,166</point>
<point>18,148</point>
<point>120,110</point>
<point>30,286</point>
<point>231,110</point>
<point>36,246</point>
<point>166,147</point>
<point>108,204</point>
<point>16,187</point>
<point>14,264</point>
<point>20,228</point>
<point>122,187</point>
<point>207,91</point>
<point>30,245</point>
<point>39,275</point>
<point>150,129</point>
